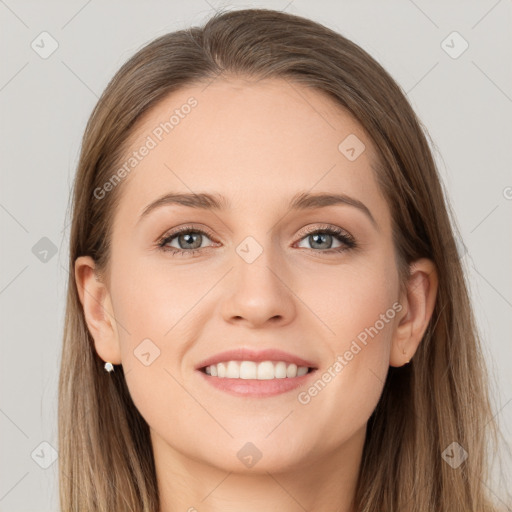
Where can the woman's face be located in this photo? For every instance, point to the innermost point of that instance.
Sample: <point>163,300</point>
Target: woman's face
<point>263,276</point>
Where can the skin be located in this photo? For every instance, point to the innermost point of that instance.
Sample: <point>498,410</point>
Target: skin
<point>257,143</point>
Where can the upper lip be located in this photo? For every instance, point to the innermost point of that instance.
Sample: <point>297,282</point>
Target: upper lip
<point>247,354</point>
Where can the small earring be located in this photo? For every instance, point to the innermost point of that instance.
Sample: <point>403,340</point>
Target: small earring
<point>109,367</point>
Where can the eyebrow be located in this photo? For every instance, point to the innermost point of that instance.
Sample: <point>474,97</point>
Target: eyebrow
<point>301,201</point>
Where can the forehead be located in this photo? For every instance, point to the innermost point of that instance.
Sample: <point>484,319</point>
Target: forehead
<point>255,142</point>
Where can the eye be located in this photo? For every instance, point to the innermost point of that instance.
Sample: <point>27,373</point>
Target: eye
<point>184,241</point>
<point>323,238</point>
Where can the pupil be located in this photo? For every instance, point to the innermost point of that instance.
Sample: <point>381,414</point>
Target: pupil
<point>321,236</point>
<point>189,239</point>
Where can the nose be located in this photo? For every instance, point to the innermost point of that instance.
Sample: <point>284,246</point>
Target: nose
<point>259,292</point>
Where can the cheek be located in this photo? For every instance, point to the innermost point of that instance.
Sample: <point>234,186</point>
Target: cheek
<point>358,311</point>
<point>349,385</point>
<point>151,308</point>
<point>351,299</point>
<point>366,313</point>
<point>151,299</point>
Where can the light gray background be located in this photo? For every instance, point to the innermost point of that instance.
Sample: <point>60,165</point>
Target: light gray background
<point>465,103</point>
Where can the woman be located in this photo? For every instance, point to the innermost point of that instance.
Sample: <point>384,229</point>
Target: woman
<point>267,308</point>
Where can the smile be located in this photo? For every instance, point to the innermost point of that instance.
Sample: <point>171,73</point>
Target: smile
<point>264,370</point>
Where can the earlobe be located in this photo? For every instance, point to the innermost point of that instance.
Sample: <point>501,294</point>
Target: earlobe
<point>96,303</point>
<point>418,306</point>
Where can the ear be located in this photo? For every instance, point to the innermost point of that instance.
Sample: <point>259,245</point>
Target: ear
<point>418,303</point>
<point>98,311</point>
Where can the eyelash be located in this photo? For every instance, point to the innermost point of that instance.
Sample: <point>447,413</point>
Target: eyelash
<point>338,233</point>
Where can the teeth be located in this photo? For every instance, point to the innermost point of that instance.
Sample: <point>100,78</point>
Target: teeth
<point>233,370</point>
<point>291,371</point>
<point>266,370</point>
<point>280,370</point>
<point>248,370</point>
<point>302,370</point>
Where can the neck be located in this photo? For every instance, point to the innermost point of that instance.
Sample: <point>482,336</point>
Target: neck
<point>322,483</point>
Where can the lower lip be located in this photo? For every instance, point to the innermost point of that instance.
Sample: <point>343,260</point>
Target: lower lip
<point>257,388</point>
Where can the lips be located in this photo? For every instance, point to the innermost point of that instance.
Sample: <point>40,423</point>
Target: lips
<point>246,354</point>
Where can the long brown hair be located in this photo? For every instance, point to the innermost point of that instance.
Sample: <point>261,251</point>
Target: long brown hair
<point>441,397</point>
